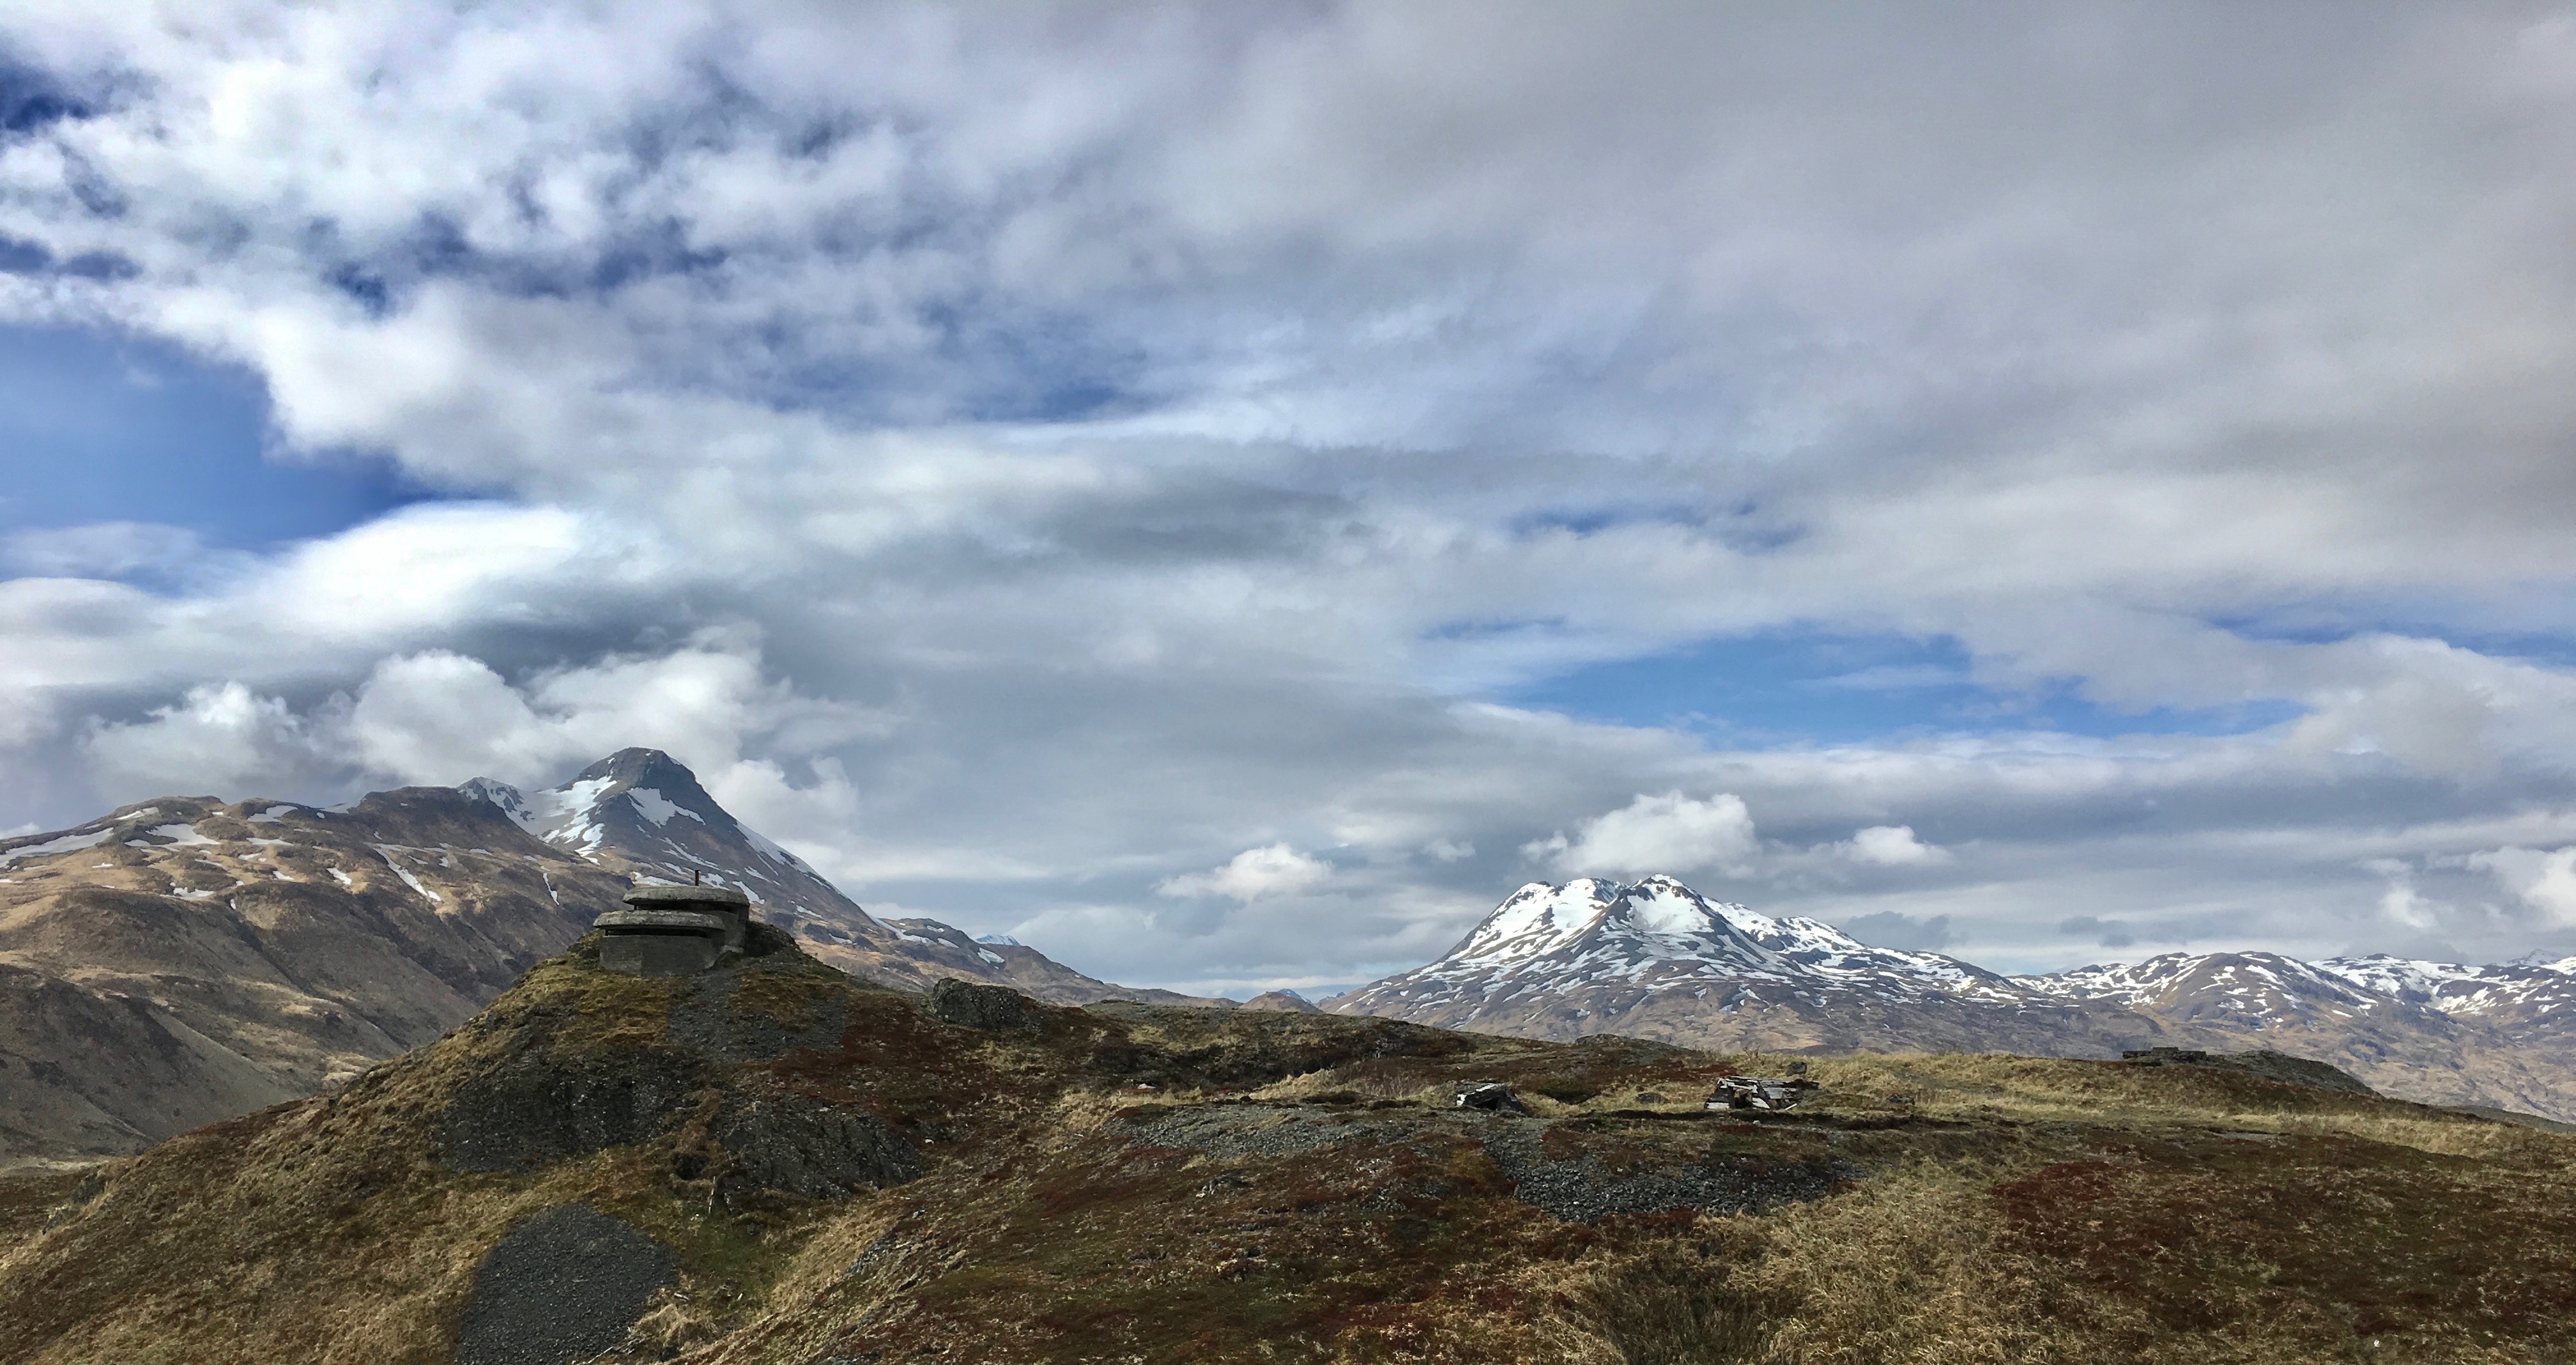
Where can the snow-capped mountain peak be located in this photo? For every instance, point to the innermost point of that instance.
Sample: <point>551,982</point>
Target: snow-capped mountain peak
<point>642,812</point>
<point>1655,920</point>
<point>1591,949</point>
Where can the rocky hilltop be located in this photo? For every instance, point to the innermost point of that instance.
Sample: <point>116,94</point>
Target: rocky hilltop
<point>1655,959</point>
<point>183,960</point>
<point>774,1162</point>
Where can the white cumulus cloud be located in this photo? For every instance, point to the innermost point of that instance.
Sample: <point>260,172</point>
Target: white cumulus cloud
<point>1254,874</point>
<point>2545,880</point>
<point>1668,833</point>
<point>1891,846</point>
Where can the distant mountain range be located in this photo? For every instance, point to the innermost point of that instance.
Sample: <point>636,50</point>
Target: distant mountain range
<point>1657,960</point>
<point>183,960</point>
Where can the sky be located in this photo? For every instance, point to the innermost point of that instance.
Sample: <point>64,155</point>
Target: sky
<point>1226,493</point>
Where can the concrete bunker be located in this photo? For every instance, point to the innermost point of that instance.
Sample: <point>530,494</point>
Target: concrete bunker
<point>674,930</point>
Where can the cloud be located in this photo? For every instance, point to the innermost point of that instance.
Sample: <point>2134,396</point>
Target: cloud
<point>2401,904</point>
<point>1026,458</point>
<point>2108,933</point>
<point>1254,874</point>
<point>1894,929</point>
<point>99,550</point>
<point>1891,846</point>
<point>2544,880</point>
<point>1668,833</point>
<point>219,739</point>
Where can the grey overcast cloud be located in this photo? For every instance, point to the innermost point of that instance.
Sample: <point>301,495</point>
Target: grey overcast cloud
<point>1225,493</point>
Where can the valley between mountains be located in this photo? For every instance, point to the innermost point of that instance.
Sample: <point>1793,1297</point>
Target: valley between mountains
<point>184,960</point>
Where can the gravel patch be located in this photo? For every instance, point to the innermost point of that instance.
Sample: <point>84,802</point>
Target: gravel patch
<point>564,1285</point>
<point>1238,1130</point>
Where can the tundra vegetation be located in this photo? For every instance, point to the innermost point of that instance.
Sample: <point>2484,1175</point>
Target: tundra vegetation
<point>825,1170</point>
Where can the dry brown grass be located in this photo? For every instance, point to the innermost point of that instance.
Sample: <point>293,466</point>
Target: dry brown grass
<point>1996,1209</point>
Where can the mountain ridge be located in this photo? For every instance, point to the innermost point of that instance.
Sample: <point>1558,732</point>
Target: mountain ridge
<point>1655,959</point>
<point>182,960</point>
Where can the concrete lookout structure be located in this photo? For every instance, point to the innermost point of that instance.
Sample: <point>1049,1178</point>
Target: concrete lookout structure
<point>674,930</point>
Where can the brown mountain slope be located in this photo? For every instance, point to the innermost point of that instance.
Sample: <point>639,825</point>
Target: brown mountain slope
<point>774,1164</point>
<point>191,960</point>
<point>183,960</point>
<point>2515,1056</point>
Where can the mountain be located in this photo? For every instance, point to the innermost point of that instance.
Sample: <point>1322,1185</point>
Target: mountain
<point>184,960</point>
<point>640,813</point>
<point>2496,1036</point>
<point>774,1163</point>
<point>1657,960</point>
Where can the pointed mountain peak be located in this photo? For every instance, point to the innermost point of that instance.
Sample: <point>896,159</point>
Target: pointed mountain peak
<point>638,766</point>
<point>630,785</point>
<point>510,800</point>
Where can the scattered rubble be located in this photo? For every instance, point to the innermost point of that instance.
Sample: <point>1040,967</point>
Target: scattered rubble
<point>1762,1094</point>
<point>1492,1095</point>
<point>1582,1190</point>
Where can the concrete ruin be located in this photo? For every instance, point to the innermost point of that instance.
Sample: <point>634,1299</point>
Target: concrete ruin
<point>674,930</point>
<point>1762,1094</point>
<point>1493,1095</point>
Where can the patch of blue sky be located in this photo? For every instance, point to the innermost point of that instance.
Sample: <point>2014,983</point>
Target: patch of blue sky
<point>102,428</point>
<point>1801,688</point>
<point>1746,527</point>
<point>2535,623</point>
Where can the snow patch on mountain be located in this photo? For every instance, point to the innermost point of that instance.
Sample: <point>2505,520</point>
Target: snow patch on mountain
<point>508,799</point>
<point>2265,988</point>
<point>658,808</point>
<point>68,843</point>
<point>408,879</point>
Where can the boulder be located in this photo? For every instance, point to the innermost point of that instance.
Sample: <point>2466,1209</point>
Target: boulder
<point>997,1008</point>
